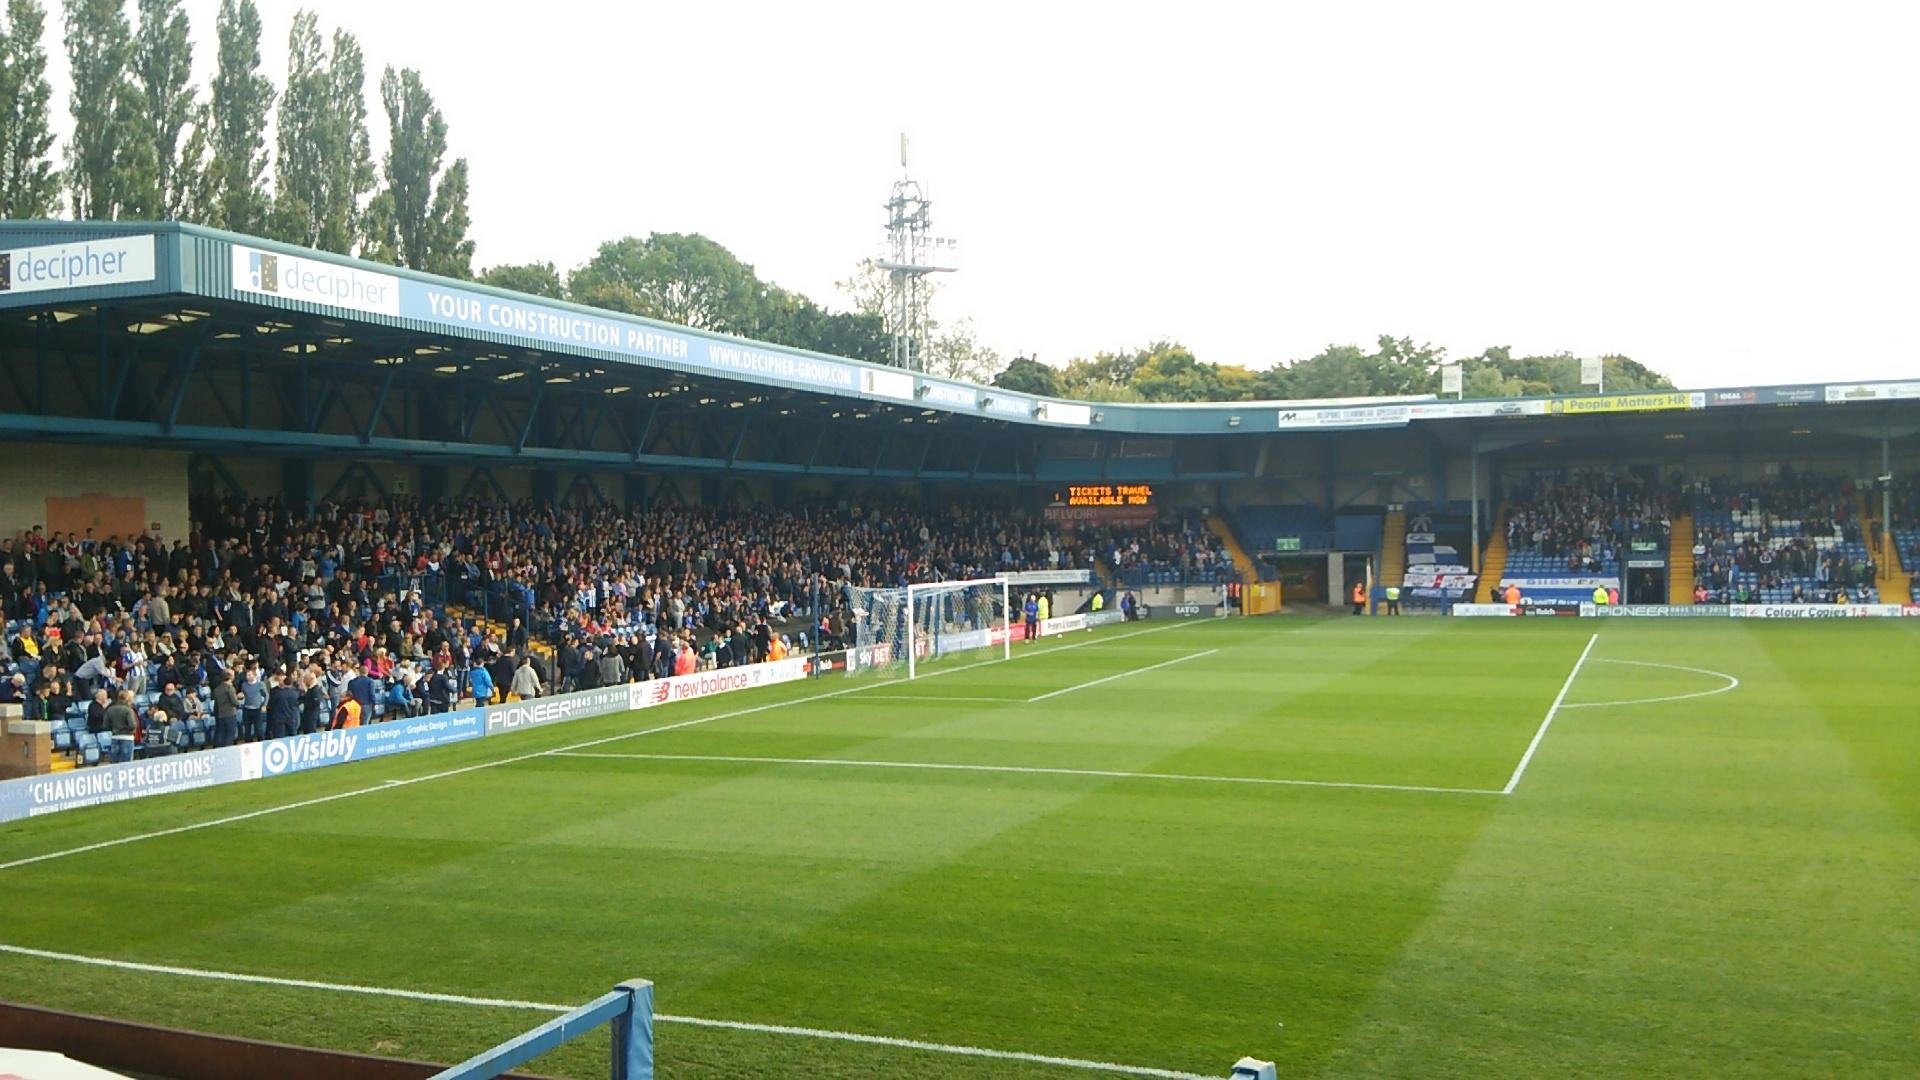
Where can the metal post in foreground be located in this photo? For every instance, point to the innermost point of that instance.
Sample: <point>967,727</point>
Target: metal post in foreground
<point>627,1009</point>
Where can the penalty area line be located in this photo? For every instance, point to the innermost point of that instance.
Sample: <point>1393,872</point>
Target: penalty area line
<point>1122,675</point>
<point>960,1050</point>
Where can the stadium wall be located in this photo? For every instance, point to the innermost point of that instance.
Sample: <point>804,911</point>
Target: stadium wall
<point>110,489</point>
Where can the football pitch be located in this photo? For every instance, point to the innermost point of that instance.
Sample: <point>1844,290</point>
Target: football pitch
<point>1396,847</point>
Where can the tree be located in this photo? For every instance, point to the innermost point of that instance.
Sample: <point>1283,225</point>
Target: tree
<point>236,192</point>
<point>325,163</point>
<point>1106,377</point>
<point>535,279</point>
<point>1029,376</point>
<point>416,222</point>
<point>677,277</point>
<point>110,169</point>
<point>29,187</point>
<point>451,252</point>
<point>854,335</point>
<point>1496,372</point>
<point>162,68</point>
<point>869,289</point>
<point>956,353</point>
<point>1172,373</point>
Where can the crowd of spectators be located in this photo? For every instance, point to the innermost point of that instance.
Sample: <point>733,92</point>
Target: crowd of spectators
<point>1794,538</point>
<point>1177,548</point>
<point>267,620</point>
<point>1788,539</point>
<point>1584,520</point>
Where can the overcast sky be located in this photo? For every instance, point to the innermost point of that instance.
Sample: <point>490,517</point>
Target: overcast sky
<point>1726,192</point>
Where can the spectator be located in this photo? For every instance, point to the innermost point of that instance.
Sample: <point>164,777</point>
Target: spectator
<point>123,724</point>
<point>226,713</point>
<point>283,707</point>
<point>480,684</point>
<point>254,699</point>
<point>526,683</point>
<point>97,712</point>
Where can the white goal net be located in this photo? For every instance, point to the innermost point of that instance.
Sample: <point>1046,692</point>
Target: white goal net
<point>895,631</point>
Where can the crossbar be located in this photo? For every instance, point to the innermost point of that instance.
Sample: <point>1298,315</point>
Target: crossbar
<point>627,1009</point>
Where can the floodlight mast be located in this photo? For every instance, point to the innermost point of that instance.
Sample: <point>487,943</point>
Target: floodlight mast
<point>912,253</point>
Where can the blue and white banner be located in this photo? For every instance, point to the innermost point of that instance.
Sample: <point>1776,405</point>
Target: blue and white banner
<point>1663,611</point>
<point>556,325</point>
<point>1562,583</point>
<point>1484,611</point>
<point>554,710</point>
<point>296,277</point>
<point>1816,611</point>
<point>34,795</point>
<point>298,753</point>
<point>112,260</point>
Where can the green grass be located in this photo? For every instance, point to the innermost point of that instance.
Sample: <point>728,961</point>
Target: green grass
<point>1723,885</point>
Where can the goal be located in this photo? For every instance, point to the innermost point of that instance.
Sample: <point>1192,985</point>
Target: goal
<point>897,630</point>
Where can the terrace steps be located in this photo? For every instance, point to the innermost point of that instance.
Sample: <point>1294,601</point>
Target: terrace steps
<point>1494,563</point>
<point>1104,572</point>
<point>1393,549</point>
<point>1892,577</point>
<point>1680,561</point>
<point>498,629</point>
<point>1241,561</point>
<point>1889,575</point>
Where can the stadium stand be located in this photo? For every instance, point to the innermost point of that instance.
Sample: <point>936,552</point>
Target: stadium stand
<point>1178,550</point>
<point>1795,539</point>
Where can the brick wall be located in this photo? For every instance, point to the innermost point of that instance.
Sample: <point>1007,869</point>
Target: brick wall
<point>98,485</point>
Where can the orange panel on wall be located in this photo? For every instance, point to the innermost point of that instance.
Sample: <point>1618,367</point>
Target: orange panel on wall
<point>106,515</point>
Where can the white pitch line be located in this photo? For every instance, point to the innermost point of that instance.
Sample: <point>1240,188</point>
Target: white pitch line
<point>1110,774</point>
<point>1732,684</point>
<point>935,697</point>
<point>665,1018</point>
<point>389,785</point>
<point>1122,675</point>
<point>1521,769</point>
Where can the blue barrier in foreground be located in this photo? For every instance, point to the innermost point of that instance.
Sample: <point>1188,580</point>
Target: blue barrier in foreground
<point>627,1009</point>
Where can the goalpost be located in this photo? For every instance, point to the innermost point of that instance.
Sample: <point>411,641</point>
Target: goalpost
<point>897,629</point>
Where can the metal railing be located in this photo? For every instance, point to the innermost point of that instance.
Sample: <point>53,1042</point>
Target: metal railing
<point>627,1009</point>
